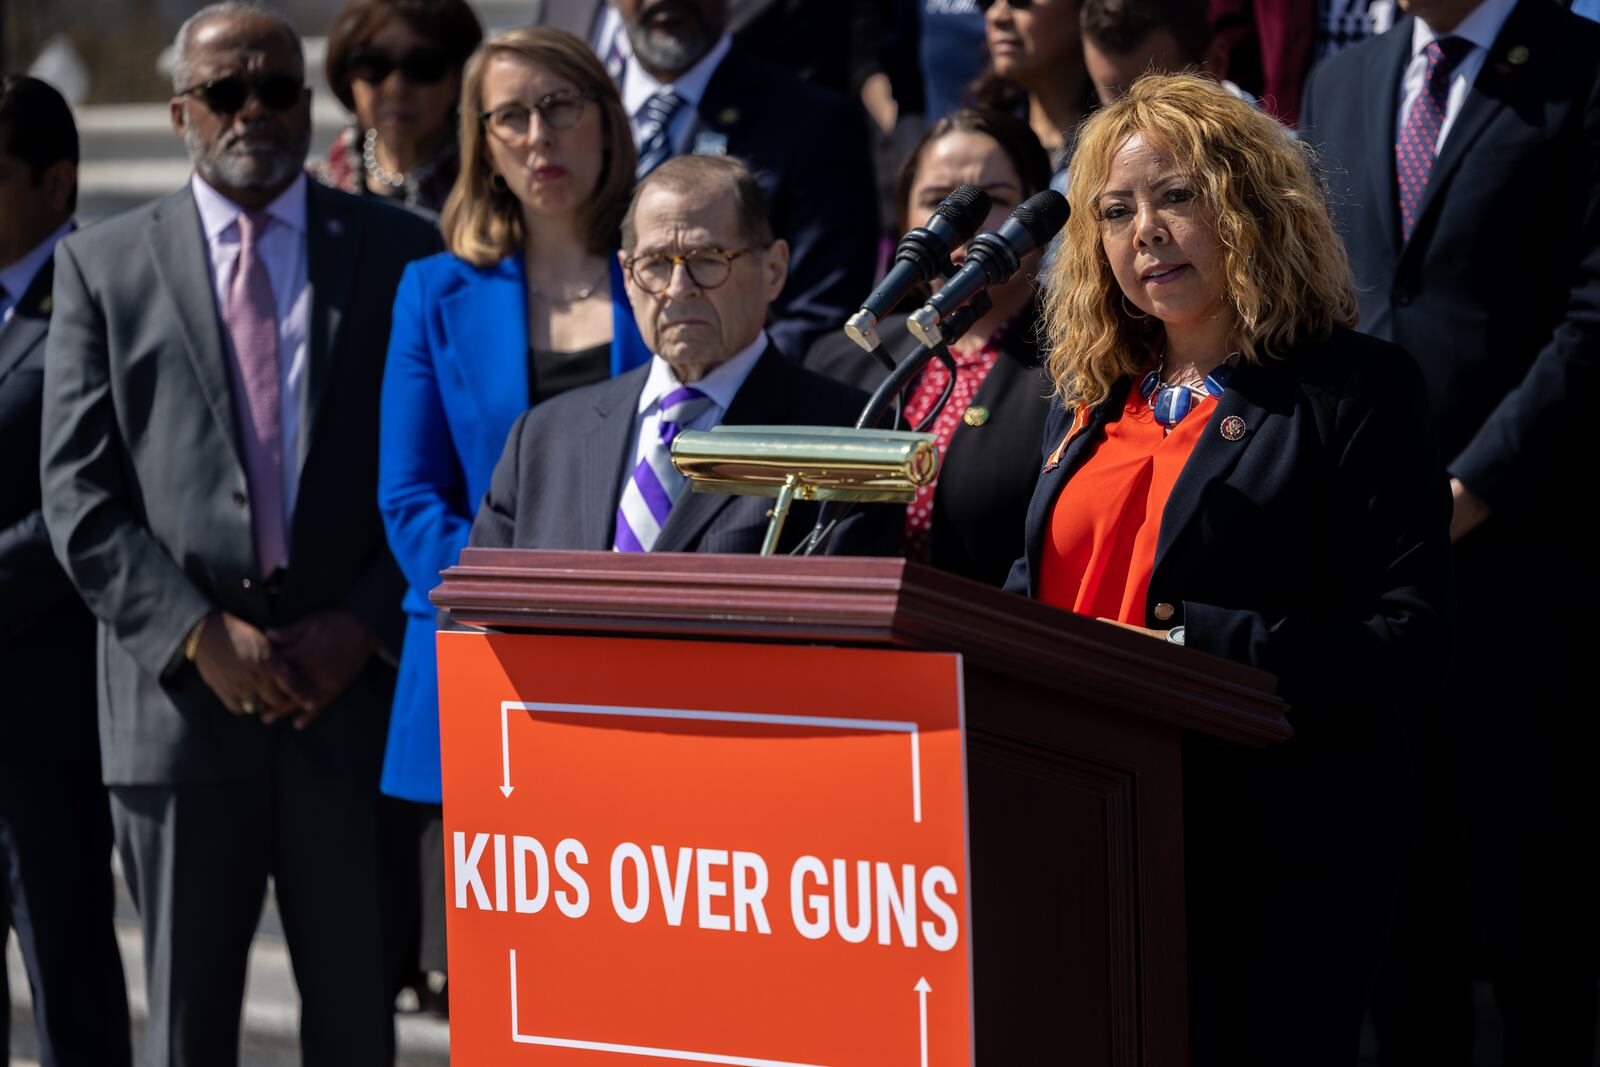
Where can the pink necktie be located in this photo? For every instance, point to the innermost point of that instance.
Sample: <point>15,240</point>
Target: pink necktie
<point>1419,137</point>
<point>252,323</point>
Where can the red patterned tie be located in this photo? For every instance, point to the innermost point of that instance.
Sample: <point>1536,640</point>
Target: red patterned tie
<point>1419,137</point>
<point>252,322</point>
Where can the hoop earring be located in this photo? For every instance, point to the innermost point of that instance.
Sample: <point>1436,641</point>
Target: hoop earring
<point>1131,311</point>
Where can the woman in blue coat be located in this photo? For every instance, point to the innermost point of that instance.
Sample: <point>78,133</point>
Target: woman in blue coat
<point>527,303</point>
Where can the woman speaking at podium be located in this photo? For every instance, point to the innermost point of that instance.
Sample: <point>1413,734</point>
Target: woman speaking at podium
<point>1229,466</point>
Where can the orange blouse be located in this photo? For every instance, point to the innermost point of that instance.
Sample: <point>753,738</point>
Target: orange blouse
<point>1101,545</point>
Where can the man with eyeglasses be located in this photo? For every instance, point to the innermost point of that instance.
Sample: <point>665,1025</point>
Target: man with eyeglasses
<point>691,89</point>
<point>590,469</point>
<point>209,474</point>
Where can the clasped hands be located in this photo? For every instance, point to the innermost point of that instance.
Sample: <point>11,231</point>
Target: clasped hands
<point>295,670</point>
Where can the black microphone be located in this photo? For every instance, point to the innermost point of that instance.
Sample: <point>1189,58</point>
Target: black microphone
<point>992,258</point>
<point>922,255</point>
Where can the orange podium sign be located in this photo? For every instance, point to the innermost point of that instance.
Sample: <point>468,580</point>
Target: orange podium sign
<point>679,851</point>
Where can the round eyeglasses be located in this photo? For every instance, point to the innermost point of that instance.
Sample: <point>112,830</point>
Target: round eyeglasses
<point>707,267</point>
<point>560,111</point>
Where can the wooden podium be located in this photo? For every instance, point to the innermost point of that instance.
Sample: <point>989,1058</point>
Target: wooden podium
<point>1074,732</point>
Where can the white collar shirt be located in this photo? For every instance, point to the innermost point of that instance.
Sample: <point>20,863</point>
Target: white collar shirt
<point>638,86</point>
<point>721,385</point>
<point>1481,27</point>
<point>17,279</point>
<point>283,249</point>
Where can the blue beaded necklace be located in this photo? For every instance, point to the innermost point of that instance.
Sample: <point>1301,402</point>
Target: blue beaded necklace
<point>1170,403</point>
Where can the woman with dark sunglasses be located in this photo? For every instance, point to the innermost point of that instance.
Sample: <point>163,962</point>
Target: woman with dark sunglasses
<point>396,64</point>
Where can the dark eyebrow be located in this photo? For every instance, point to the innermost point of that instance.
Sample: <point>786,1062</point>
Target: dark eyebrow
<point>1158,184</point>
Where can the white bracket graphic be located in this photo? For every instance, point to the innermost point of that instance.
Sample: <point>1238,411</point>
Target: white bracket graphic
<point>644,1050</point>
<point>822,722</point>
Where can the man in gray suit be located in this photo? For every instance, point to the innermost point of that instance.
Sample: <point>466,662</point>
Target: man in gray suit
<point>209,469</point>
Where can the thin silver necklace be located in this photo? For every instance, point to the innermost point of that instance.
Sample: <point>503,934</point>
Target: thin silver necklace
<point>583,292</point>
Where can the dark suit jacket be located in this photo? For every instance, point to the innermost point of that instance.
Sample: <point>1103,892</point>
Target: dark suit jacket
<point>559,478</point>
<point>808,147</point>
<point>989,470</point>
<point>1497,293</point>
<point>145,493</point>
<point>1316,547</point>
<point>46,634</point>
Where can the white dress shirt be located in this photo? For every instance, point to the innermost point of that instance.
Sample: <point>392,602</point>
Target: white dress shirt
<point>722,384</point>
<point>1481,28</point>
<point>17,279</point>
<point>282,249</point>
<point>638,86</point>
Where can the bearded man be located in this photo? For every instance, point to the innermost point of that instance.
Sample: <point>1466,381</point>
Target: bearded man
<point>209,467</point>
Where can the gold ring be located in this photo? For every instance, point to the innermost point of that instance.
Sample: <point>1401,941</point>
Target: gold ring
<point>248,707</point>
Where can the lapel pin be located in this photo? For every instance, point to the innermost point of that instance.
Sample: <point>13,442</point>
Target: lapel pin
<point>45,304</point>
<point>976,415</point>
<point>1232,428</point>
<point>1518,55</point>
<point>729,115</point>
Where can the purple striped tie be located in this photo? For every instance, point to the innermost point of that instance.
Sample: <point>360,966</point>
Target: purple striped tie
<point>1419,137</point>
<point>655,484</point>
<point>251,318</point>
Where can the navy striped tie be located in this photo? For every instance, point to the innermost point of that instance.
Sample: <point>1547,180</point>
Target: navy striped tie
<point>647,498</point>
<point>655,134</point>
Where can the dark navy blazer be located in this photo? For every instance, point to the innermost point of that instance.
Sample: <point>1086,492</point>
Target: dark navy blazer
<point>455,381</point>
<point>1316,545</point>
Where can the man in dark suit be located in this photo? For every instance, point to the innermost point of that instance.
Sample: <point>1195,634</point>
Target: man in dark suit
<point>209,475</point>
<point>692,90</point>
<point>55,829</point>
<point>1463,147</point>
<point>589,469</point>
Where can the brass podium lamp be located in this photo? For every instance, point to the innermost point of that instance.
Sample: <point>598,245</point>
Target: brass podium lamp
<point>808,462</point>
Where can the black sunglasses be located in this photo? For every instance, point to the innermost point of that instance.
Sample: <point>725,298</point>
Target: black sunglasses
<point>225,96</point>
<point>420,66</point>
<point>1015,5</point>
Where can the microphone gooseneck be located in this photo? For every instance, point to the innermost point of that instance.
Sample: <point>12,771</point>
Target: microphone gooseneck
<point>992,258</point>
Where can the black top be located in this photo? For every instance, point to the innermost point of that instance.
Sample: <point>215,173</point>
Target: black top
<point>989,470</point>
<point>550,373</point>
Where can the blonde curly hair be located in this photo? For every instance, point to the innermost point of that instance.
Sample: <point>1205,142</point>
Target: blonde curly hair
<point>1285,271</point>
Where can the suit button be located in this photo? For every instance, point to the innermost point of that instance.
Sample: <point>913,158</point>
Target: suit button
<point>239,498</point>
<point>247,583</point>
<point>1402,297</point>
<point>1164,612</point>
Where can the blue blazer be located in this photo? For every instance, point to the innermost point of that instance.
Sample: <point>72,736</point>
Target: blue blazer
<point>455,381</point>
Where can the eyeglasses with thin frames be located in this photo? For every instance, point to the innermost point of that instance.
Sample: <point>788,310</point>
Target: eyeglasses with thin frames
<point>707,267</point>
<point>560,111</point>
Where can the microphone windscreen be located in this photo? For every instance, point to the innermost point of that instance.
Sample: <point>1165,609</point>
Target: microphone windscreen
<point>965,208</point>
<point>1042,215</point>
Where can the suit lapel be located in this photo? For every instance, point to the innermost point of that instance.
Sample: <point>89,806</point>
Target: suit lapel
<point>1386,67</point>
<point>30,321</point>
<point>1485,98</point>
<point>182,261</point>
<point>762,400</point>
<point>605,456</point>
<point>1214,454</point>
<point>1068,454</point>
<point>333,261</point>
<point>723,110</point>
